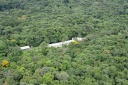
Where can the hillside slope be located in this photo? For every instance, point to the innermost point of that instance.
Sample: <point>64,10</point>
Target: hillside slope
<point>100,59</point>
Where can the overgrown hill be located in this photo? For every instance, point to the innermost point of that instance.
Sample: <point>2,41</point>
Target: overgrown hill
<point>100,59</point>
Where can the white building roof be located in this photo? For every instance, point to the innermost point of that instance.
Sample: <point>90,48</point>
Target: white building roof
<point>59,44</point>
<point>25,47</point>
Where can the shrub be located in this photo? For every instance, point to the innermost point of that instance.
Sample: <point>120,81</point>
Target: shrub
<point>44,70</point>
<point>5,63</point>
<point>62,76</point>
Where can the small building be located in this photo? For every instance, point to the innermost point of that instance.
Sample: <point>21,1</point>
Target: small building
<point>55,45</point>
<point>78,38</point>
<point>59,44</point>
<point>25,47</point>
<point>67,42</point>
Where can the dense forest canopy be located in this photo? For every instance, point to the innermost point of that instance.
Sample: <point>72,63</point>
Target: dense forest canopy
<point>100,59</point>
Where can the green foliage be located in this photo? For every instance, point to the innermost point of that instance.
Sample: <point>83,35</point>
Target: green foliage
<point>6,5</point>
<point>2,48</point>
<point>99,59</point>
<point>48,78</point>
<point>62,76</point>
<point>44,70</point>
